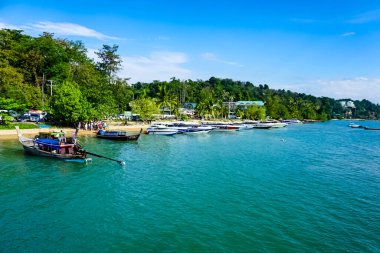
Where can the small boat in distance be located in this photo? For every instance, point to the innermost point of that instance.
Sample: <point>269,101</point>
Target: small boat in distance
<point>274,123</point>
<point>371,128</point>
<point>54,145</point>
<point>118,135</point>
<point>261,126</point>
<point>189,127</point>
<point>199,130</point>
<point>291,121</point>
<point>353,125</point>
<point>226,127</point>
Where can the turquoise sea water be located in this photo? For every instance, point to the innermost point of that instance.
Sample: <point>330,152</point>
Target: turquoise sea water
<point>303,188</point>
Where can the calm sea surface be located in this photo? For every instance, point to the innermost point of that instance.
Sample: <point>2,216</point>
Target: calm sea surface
<point>303,188</point>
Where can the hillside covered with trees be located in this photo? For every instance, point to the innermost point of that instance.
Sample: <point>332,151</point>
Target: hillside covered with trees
<point>57,76</point>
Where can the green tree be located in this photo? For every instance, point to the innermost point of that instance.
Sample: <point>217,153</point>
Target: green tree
<point>122,94</point>
<point>110,61</point>
<point>68,104</point>
<point>145,107</point>
<point>11,104</point>
<point>239,112</point>
<point>205,106</point>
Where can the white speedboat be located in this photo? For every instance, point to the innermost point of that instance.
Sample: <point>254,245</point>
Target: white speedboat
<point>353,125</point>
<point>226,127</point>
<point>274,124</point>
<point>161,130</point>
<point>244,126</point>
<point>261,126</point>
<point>291,121</point>
<point>199,130</point>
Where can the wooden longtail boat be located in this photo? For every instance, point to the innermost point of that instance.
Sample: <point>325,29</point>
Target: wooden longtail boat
<point>371,128</point>
<point>54,145</point>
<point>118,135</point>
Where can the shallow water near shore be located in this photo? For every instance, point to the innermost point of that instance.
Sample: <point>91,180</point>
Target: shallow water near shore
<point>312,187</point>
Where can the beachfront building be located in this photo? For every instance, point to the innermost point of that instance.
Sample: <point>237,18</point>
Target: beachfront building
<point>232,106</point>
<point>188,109</point>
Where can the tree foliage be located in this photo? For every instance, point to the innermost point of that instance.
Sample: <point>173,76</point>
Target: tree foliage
<point>145,107</point>
<point>28,64</point>
<point>110,61</point>
<point>68,104</point>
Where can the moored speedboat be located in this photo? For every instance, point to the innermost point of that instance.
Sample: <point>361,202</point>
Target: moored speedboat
<point>274,124</point>
<point>199,130</point>
<point>353,125</point>
<point>226,127</point>
<point>161,130</point>
<point>371,128</point>
<point>291,121</point>
<point>261,126</point>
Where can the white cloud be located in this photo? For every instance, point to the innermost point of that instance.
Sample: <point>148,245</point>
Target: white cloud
<point>163,38</point>
<point>207,56</point>
<point>356,88</point>
<point>367,17</point>
<point>157,66</point>
<point>91,54</point>
<point>348,34</point>
<point>68,29</point>
<point>8,26</point>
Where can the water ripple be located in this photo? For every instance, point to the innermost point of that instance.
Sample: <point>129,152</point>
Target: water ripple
<point>301,188</point>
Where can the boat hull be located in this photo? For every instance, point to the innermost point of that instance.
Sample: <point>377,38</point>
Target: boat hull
<point>162,132</point>
<point>226,128</point>
<point>44,148</point>
<point>371,128</point>
<point>261,126</point>
<point>37,152</point>
<point>120,138</point>
<point>205,131</point>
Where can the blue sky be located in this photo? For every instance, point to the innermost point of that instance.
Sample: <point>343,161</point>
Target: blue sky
<point>323,48</point>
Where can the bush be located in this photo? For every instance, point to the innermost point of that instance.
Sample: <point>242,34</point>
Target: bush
<point>184,117</point>
<point>6,120</point>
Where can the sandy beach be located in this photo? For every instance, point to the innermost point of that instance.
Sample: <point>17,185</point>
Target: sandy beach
<point>12,134</point>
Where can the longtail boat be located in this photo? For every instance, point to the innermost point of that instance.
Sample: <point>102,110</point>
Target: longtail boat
<point>118,135</point>
<point>54,145</point>
<point>371,128</point>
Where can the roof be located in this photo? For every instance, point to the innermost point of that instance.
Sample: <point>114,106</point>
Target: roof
<point>190,105</point>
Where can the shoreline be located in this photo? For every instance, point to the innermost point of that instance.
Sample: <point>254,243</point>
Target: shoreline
<point>132,127</point>
<point>12,134</point>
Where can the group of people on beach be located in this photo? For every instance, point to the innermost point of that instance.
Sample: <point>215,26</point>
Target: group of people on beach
<point>93,125</point>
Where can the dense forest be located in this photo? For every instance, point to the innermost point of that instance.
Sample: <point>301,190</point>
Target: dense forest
<point>56,75</point>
